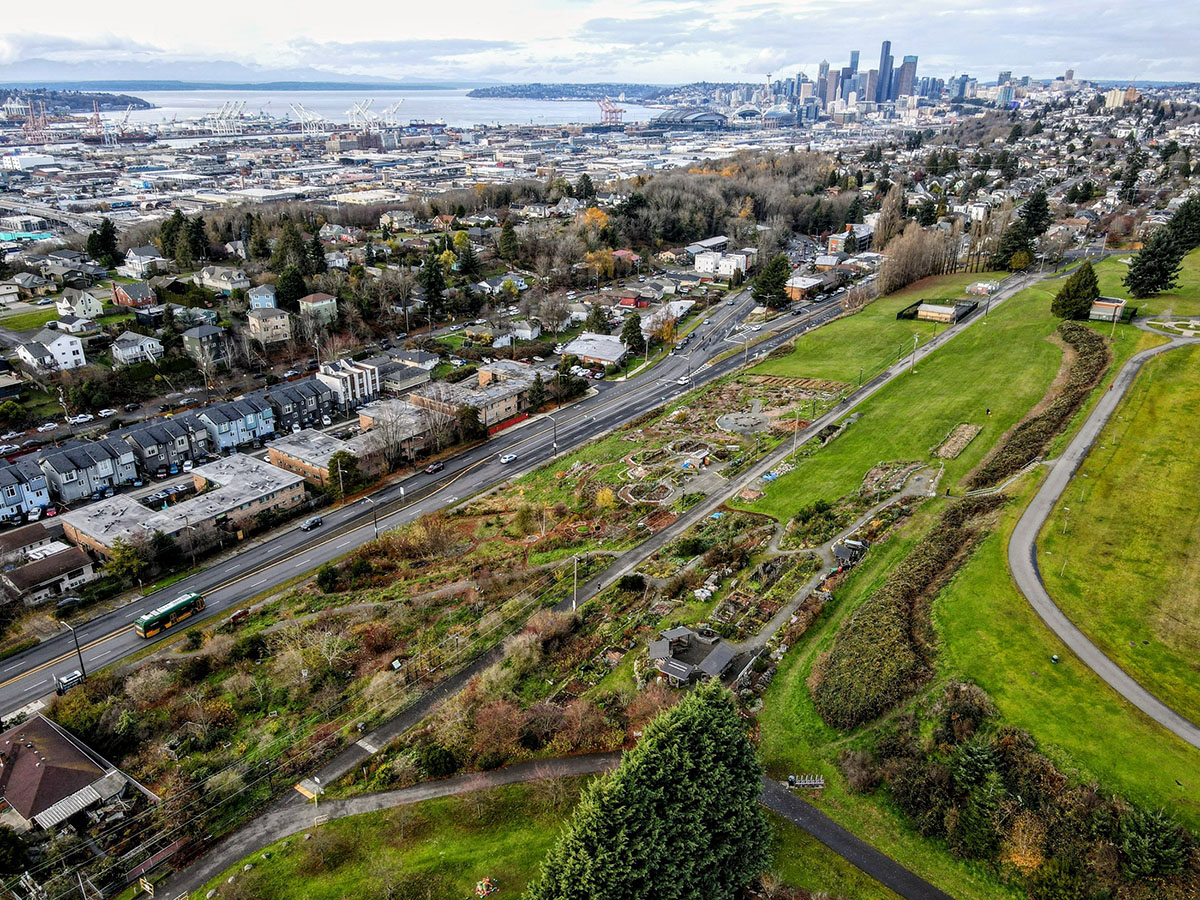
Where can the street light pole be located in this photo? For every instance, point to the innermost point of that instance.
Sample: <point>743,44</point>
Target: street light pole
<point>575,592</point>
<point>374,516</point>
<point>913,366</point>
<point>554,439</point>
<point>78,652</point>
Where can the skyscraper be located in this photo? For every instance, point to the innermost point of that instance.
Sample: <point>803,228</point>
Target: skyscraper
<point>822,79</point>
<point>906,80</point>
<point>1004,78</point>
<point>884,91</point>
<point>853,62</point>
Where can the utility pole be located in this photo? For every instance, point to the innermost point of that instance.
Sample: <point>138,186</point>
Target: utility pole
<point>913,367</point>
<point>374,516</point>
<point>795,431</point>
<point>575,593</point>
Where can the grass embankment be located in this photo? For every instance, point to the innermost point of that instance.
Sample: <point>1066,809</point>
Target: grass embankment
<point>441,848</point>
<point>1183,301</point>
<point>871,339</point>
<point>1127,568</point>
<point>1004,366</point>
<point>28,321</point>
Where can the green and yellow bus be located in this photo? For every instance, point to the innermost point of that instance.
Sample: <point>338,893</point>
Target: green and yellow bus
<point>169,614</point>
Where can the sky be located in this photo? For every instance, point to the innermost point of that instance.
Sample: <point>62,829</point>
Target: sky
<point>658,41</point>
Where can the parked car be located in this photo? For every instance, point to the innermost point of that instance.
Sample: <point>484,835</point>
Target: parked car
<point>47,426</point>
<point>507,458</point>
<point>105,413</point>
<point>130,407</point>
<point>310,524</point>
<point>6,449</point>
<point>325,420</point>
<point>291,373</point>
<point>12,435</point>
<point>188,465</point>
<point>81,419</point>
<point>434,467</point>
<point>67,603</point>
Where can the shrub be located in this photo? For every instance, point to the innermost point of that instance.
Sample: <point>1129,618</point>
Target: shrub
<point>436,761</point>
<point>193,639</point>
<point>1151,844</point>
<point>327,578</point>
<point>879,655</point>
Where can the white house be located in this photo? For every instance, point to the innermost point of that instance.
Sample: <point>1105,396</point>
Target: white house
<point>322,307</point>
<point>142,262</point>
<point>731,263</point>
<point>53,351</point>
<point>223,279</point>
<point>526,330</point>
<point>82,304</point>
<point>132,348</point>
<point>706,263</point>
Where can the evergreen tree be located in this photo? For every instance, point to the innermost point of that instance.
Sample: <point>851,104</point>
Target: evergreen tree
<point>168,233</point>
<point>197,238</point>
<point>1151,845</point>
<point>290,251</point>
<point>1129,180</point>
<point>290,287</point>
<point>770,288</point>
<point>536,398</point>
<point>854,213</point>
<point>1016,134</point>
<point>1156,267</point>
<point>597,320</point>
<point>3,263</point>
<point>1015,240</point>
<point>260,246</point>
<point>183,250</point>
<point>509,247</point>
<point>1185,225</point>
<point>678,818</point>
<point>584,189</point>
<point>1074,300</point>
<point>468,262</point>
<point>433,281</point>
<point>1036,213</point>
<point>316,256</point>
<point>927,213</point>
<point>470,426</point>
<point>631,335</point>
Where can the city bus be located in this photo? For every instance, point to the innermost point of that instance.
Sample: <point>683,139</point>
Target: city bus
<point>168,614</point>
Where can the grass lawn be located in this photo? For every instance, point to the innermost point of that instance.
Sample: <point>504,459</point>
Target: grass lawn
<point>871,339</point>
<point>1183,301</point>
<point>441,848</point>
<point>991,635</point>
<point>1134,509</point>
<point>1005,366</point>
<point>28,321</point>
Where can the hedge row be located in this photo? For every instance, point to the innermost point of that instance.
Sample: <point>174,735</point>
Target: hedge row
<point>879,656</point>
<point>1030,439</point>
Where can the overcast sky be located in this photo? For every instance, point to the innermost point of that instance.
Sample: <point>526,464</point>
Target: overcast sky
<point>662,41</point>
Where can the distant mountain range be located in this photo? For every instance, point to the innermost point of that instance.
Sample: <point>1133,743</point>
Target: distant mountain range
<point>225,86</point>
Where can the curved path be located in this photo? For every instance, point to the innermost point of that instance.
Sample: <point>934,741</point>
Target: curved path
<point>281,823</point>
<point>1022,550</point>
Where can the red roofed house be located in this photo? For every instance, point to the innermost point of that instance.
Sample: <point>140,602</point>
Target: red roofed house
<point>47,776</point>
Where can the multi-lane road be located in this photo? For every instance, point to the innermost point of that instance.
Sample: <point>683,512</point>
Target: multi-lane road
<point>230,581</point>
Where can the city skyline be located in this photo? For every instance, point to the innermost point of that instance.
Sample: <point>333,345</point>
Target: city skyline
<point>662,42</point>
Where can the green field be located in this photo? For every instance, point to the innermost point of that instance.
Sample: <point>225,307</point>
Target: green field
<point>1131,550</point>
<point>28,321</point>
<point>1005,366</point>
<point>1183,301</point>
<point>441,848</point>
<point>869,340</point>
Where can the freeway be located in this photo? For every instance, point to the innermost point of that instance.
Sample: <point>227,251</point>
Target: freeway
<point>229,582</point>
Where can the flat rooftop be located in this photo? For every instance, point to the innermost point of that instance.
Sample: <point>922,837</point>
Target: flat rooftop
<point>234,481</point>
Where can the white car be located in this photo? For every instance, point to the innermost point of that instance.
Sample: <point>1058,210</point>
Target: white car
<point>6,449</point>
<point>105,413</point>
<point>325,420</point>
<point>682,380</point>
<point>81,419</point>
<point>188,465</point>
<point>507,458</point>
<point>47,426</point>
<point>12,435</point>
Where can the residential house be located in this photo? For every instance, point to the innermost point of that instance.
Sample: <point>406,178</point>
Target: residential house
<point>236,422</point>
<point>238,249</point>
<point>321,306</point>
<point>682,655</point>
<point>23,487</point>
<point>352,383</point>
<point>16,546</point>
<point>308,454</point>
<point>262,297</point>
<point>77,469</point>
<point>525,330</point>
<point>142,262</point>
<point>269,326</point>
<point>803,287</point>
<point>83,304</point>
<point>74,325</point>
<point>597,349</point>
<point>132,348</point>
<point>161,443</point>
<point>51,572</point>
<point>854,239</point>
<point>31,285</point>
<point>300,403</point>
<point>337,259</point>
<point>205,344</point>
<point>138,293</point>
<point>52,351</point>
<point>222,279</point>
<point>65,276</point>
<point>492,287</point>
<point>49,775</point>
<point>9,293</point>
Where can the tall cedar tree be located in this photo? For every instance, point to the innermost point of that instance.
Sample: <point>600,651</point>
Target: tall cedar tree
<point>316,255</point>
<point>1036,213</point>
<point>678,819</point>
<point>290,288</point>
<point>770,288</point>
<point>1074,300</point>
<point>434,282</point>
<point>1156,267</point>
<point>631,335</point>
<point>468,262</point>
<point>509,248</point>
<point>3,264</point>
<point>1015,242</point>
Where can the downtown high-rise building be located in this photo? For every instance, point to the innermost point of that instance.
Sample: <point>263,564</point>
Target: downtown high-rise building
<point>906,78</point>
<point>822,80</point>
<point>1004,78</point>
<point>883,91</point>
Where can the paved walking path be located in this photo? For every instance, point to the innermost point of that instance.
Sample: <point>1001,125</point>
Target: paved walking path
<point>1022,550</point>
<point>280,823</point>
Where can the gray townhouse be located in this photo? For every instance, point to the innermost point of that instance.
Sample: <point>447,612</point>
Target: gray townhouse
<point>301,403</point>
<point>77,469</point>
<point>23,487</point>
<point>161,443</point>
<point>236,422</point>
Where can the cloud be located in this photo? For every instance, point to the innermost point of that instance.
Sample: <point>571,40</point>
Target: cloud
<point>31,45</point>
<point>403,51</point>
